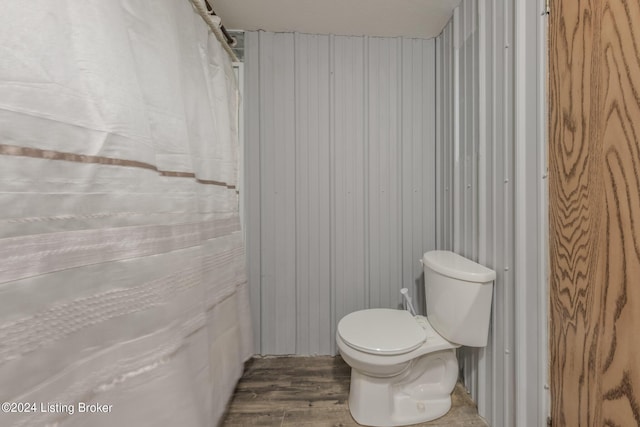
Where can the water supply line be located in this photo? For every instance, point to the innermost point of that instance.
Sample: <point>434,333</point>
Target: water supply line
<point>407,301</point>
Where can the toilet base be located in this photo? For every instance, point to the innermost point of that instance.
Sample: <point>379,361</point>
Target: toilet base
<point>420,393</point>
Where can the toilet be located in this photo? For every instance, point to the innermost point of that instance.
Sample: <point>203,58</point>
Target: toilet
<point>404,367</point>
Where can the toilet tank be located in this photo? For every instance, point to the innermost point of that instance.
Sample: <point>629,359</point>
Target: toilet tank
<point>458,294</point>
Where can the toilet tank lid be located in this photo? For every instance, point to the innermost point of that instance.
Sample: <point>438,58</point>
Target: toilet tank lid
<point>455,266</point>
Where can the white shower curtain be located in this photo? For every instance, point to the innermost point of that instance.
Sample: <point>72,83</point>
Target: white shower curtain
<point>122,276</point>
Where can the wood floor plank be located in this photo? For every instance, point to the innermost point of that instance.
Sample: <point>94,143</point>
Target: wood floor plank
<point>314,391</point>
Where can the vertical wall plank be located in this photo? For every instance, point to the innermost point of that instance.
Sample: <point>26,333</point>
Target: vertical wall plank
<point>252,181</point>
<point>440,141</point>
<point>348,158</point>
<point>469,110</point>
<point>376,123</point>
<point>305,83</point>
<point>444,148</point>
<point>488,373</point>
<point>312,194</point>
<point>487,387</point>
<point>464,104</point>
<point>277,169</point>
<point>428,144</point>
<point>472,132</point>
<point>418,161</point>
<point>384,155</point>
<point>446,109</point>
<point>407,170</point>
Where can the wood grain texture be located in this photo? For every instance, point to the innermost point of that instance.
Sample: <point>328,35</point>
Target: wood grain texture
<point>594,198</point>
<point>314,391</point>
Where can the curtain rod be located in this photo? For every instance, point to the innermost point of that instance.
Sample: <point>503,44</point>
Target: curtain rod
<point>231,41</point>
<point>213,21</point>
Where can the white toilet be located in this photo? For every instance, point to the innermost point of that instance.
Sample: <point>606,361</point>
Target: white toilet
<point>404,368</point>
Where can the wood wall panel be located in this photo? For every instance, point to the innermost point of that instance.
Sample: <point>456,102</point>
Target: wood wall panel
<point>594,196</point>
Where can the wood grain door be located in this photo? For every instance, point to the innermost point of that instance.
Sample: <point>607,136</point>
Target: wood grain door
<point>594,197</point>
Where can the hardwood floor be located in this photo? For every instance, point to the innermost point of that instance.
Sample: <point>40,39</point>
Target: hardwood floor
<point>313,391</point>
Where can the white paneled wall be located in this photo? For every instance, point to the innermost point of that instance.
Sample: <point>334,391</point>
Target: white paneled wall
<point>341,181</point>
<point>477,203</point>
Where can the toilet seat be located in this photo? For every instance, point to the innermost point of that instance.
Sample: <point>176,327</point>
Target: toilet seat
<point>382,331</point>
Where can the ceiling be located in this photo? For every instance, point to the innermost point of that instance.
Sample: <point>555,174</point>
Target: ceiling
<point>388,18</point>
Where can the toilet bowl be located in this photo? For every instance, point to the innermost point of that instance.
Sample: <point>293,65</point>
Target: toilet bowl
<point>403,375</point>
<point>404,367</point>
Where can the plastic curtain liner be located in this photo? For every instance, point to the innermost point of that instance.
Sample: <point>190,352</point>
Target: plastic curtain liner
<point>123,296</point>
